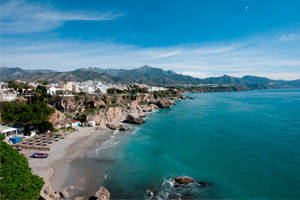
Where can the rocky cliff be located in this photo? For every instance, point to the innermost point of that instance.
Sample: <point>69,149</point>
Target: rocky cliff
<point>108,111</point>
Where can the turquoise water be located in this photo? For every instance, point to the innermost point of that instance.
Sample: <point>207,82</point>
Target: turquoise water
<point>245,144</point>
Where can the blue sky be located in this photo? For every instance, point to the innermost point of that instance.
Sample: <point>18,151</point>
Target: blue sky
<point>201,38</point>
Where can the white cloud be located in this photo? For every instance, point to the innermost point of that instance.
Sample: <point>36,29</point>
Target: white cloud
<point>287,37</point>
<point>270,58</point>
<point>18,16</point>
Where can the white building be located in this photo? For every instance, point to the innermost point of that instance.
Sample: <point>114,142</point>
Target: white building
<point>152,89</point>
<point>9,131</point>
<point>51,90</point>
<point>71,87</point>
<point>8,95</point>
<point>89,90</point>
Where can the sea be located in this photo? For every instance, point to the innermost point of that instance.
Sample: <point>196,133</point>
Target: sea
<point>244,145</point>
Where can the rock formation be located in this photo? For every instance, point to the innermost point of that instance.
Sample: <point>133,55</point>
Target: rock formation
<point>114,126</point>
<point>107,116</point>
<point>59,120</point>
<point>147,108</point>
<point>107,110</point>
<point>134,119</point>
<point>101,194</point>
<point>163,103</point>
<point>184,180</point>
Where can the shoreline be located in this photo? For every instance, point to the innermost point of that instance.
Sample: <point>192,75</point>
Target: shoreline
<point>55,169</point>
<point>67,172</point>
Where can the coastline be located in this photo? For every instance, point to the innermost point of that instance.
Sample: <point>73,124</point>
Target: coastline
<point>54,170</point>
<point>73,168</point>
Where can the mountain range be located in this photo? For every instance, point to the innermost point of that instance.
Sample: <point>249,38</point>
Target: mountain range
<point>146,75</point>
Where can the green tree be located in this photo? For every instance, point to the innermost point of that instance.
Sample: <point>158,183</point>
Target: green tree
<point>16,179</point>
<point>113,91</point>
<point>12,84</point>
<point>41,92</point>
<point>98,91</point>
<point>35,114</point>
<point>80,116</point>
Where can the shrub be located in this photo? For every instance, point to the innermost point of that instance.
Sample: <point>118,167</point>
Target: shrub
<point>101,106</point>
<point>16,179</point>
<point>68,129</point>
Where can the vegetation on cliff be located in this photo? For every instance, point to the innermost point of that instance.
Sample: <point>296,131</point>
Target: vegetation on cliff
<point>29,115</point>
<point>16,179</point>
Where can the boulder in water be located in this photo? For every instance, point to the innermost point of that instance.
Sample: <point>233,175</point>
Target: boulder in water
<point>183,180</point>
<point>124,127</point>
<point>149,193</point>
<point>134,119</point>
<point>163,103</point>
<point>147,109</point>
<point>113,126</point>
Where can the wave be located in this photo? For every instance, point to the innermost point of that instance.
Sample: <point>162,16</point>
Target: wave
<point>167,190</point>
<point>109,143</point>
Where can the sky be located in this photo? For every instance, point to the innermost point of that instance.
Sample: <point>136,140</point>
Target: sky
<point>202,38</point>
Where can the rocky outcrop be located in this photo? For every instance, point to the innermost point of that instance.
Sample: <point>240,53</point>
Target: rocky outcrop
<point>124,128</point>
<point>147,108</point>
<point>171,102</point>
<point>134,119</point>
<point>107,109</point>
<point>108,115</point>
<point>59,120</point>
<point>115,114</point>
<point>183,97</point>
<point>101,194</point>
<point>78,103</point>
<point>184,180</point>
<point>114,126</point>
<point>142,114</point>
<point>165,103</point>
<point>153,106</point>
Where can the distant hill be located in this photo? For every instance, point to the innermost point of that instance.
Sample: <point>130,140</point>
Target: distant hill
<point>50,75</point>
<point>146,75</point>
<point>13,73</point>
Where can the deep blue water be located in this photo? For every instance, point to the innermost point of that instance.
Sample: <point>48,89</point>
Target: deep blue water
<point>245,144</point>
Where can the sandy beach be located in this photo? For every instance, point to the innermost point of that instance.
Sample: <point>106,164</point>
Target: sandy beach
<point>55,168</point>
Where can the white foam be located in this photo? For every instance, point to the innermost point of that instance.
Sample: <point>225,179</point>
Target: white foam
<point>116,131</point>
